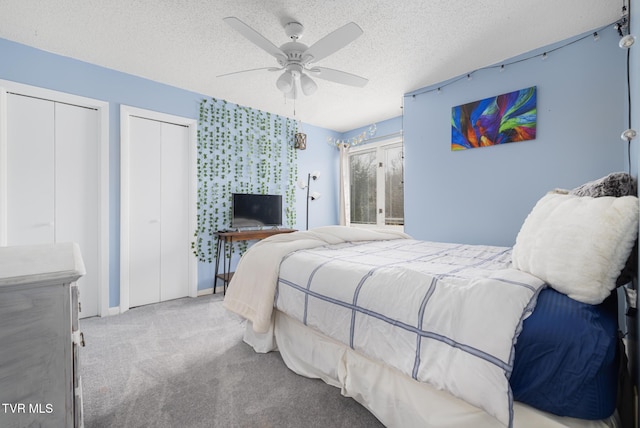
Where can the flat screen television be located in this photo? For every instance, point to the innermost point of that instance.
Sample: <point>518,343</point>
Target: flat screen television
<point>253,210</point>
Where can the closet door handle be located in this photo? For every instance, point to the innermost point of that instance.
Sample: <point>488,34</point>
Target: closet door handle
<point>155,220</point>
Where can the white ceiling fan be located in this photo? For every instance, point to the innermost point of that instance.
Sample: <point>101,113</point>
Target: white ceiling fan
<point>297,59</point>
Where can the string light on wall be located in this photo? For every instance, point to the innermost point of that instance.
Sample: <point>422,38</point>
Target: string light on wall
<point>621,26</point>
<point>628,134</point>
<point>626,41</point>
<point>354,141</point>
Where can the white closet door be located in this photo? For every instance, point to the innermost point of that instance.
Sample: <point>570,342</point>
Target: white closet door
<point>144,211</point>
<point>77,180</point>
<point>53,181</point>
<point>158,207</point>
<point>56,182</point>
<point>30,170</point>
<point>174,229</point>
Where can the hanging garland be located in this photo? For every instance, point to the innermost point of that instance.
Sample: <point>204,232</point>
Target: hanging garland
<point>240,150</point>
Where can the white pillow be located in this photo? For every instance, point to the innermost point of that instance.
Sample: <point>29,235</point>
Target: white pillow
<point>578,245</point>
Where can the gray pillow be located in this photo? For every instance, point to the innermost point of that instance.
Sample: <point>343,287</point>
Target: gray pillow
<point>615,184</point>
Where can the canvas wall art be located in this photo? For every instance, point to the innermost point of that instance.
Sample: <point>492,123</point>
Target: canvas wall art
<point>502,119</point>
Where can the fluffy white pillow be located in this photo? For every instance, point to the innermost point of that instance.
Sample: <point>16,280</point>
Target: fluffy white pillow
<point>578,245</point>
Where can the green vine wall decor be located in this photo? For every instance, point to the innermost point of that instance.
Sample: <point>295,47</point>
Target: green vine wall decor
<point>240,150</point>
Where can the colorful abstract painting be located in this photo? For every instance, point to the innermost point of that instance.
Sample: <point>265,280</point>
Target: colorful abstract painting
<point>497,120</point>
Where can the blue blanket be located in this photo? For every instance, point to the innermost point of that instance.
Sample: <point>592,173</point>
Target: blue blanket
<point>566,357</point>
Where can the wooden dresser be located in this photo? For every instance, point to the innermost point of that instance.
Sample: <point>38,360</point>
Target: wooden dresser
<point>40,383</point>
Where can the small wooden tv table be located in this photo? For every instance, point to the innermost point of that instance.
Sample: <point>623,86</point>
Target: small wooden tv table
<point>226,238</point>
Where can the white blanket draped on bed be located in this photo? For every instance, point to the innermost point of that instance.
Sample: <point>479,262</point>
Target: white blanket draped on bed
<point>253,286</point>
<point>454,328</point>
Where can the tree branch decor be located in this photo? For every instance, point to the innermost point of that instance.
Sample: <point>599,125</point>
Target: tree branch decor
<point>240,150</point>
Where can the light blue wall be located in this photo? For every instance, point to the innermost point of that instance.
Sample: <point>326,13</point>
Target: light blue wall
<point>483,195</point>
<point>322,157</point>
<point>383,128</point>
<point>31,66</point>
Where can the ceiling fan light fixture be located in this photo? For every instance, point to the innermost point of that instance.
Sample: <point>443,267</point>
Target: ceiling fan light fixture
<point>293,93</point>
<point>285,82</point>
<point>307,84</point>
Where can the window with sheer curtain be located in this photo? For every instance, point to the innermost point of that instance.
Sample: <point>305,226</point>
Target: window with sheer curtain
<point>376,185</point>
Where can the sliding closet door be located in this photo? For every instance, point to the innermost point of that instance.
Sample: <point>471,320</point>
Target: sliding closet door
<point>158,211</point>
<point>77,180</point>
<point>54,179</point>
<point>53,182</point>
<point>174,231</point>
<point>30,171</point>
<point>144,211</point>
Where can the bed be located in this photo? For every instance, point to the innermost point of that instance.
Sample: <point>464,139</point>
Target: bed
<point>450,335</point>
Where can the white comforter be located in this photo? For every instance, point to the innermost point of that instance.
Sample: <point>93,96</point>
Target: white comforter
<point>253,286</point>
<point>454,328</point>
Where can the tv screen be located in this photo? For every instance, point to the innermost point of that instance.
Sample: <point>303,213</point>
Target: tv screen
<point>252,210</point>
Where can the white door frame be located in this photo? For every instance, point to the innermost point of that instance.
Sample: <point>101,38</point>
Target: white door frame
<point>126,113</point>
<point>102,107</point>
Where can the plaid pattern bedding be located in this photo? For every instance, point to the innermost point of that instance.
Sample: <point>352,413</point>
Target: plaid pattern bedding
<point>446,314</point>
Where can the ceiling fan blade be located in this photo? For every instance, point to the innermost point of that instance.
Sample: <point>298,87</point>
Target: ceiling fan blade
<point>333,42</point>
<point>338,76</point>
<point>250,70</point>
<point>255,37</point>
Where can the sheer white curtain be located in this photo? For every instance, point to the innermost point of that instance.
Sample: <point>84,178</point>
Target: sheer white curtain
<point>345,197</point>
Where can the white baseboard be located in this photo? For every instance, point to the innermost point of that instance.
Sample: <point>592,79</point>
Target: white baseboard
<point>115,310</point>
<point>208,291</point>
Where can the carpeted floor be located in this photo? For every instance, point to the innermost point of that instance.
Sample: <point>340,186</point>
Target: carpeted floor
<point>182,363</point>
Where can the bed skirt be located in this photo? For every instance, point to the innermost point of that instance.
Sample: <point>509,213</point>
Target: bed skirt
<point>394,398</point>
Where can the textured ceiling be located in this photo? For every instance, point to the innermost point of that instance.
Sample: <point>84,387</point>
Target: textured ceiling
<point>406,45</point>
